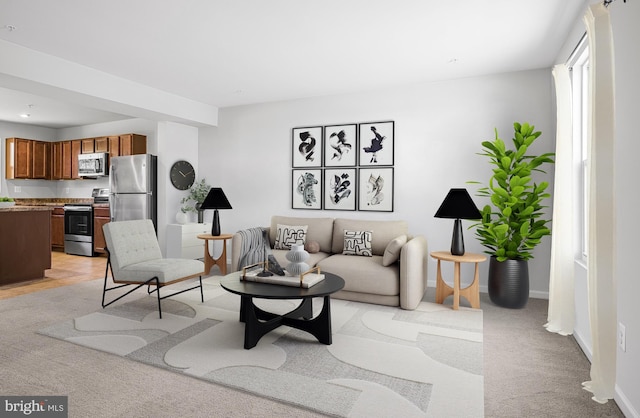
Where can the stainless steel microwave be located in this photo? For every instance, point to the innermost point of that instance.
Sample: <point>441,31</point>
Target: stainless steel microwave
<point>93,165</point>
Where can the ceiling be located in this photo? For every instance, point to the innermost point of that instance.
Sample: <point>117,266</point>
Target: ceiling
<point>229,53</point>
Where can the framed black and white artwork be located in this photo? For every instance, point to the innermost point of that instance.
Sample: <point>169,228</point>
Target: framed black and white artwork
<point>340,189</point>
<point>340,145</point>
<point>306,189</point>
<point>306,146</point>
<point>375,186</point>
<point>376,143</point>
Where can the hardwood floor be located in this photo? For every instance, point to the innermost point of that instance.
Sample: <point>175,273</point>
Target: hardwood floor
<point>65,270</point>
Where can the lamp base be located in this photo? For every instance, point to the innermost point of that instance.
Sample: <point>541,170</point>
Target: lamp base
<point>215,225</point>
<point>457,240</point>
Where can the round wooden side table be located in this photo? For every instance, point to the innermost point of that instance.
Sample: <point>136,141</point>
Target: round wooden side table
<point>221,261</point>
<point>471,292</point>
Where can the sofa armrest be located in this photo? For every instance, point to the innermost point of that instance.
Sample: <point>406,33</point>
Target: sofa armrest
<point>413,272</point>
<point>236,248</point>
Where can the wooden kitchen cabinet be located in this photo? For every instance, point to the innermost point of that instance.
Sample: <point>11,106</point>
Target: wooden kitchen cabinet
<point>101,144</point>
<point>33,159</point>
<point>101,216</point>
<point>19,158</point>
<point>57,228</point>
<point>56,160</point>
<point>132,144</point>
<point>41,160</point>
<point>76,148</point>
<point>114,146</point>
<point>88,146</point>
<point>66,160</point>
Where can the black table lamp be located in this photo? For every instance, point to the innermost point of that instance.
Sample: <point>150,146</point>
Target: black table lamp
<point>216,200</point>
<point>458,205</point>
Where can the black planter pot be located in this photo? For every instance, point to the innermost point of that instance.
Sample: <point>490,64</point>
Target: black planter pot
<point>509,283</point>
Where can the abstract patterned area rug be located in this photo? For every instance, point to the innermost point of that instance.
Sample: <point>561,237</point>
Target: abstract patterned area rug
<point>383,361</point>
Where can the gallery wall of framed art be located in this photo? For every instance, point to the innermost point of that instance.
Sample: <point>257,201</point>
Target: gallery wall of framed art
<point>343,167</point>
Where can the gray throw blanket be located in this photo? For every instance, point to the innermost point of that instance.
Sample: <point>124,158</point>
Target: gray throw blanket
<point>255,244</point>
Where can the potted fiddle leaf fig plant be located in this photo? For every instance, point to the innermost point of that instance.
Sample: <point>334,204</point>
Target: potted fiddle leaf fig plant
<point>513,225</point>
<point>197,193</point>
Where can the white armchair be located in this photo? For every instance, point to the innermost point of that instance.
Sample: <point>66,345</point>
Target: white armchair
<point>134,258</point>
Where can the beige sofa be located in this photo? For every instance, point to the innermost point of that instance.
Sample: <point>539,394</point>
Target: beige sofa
<point>401,283</point>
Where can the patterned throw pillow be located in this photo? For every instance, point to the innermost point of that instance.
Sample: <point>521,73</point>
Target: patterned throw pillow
<point>286,235</point>
<point>357,243</point>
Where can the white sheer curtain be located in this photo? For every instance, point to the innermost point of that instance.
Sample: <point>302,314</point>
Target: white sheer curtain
<point>561,314</point>
<point>601,245</point>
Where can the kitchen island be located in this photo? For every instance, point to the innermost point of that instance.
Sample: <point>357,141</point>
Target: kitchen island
<point>25,243</point>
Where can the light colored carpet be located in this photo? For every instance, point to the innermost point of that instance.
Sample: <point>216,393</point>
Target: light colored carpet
<point>384,361</point>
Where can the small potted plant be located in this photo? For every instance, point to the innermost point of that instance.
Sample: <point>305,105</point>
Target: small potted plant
<point>197,193</point>
<point>513,225</point>
<point>6,202</point>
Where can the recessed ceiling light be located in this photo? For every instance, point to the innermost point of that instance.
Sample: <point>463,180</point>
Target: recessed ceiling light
<point>25,115</point>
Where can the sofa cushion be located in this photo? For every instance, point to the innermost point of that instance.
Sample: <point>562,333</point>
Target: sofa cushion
<point>319,229</point>
<point>392,252</point>
<point>287,235</point>
<point>357,243</point>
<point>382,233</point>
<point>364,274</point>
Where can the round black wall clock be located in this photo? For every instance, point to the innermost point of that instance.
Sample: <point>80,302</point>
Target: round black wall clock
<point>182,175</point>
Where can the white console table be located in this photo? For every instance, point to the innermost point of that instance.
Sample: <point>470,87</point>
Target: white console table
<point>183,242</point>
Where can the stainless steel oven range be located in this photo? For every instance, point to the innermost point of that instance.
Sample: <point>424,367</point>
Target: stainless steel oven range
<point>78,229</point>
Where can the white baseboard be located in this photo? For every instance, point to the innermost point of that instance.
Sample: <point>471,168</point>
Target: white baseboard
<point>624,404</point>
<point>586,349</point>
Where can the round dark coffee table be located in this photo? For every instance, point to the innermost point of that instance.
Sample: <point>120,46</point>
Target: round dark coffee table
<point>259,322</point>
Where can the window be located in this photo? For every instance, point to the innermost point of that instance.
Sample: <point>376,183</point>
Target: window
<point>580,90</point>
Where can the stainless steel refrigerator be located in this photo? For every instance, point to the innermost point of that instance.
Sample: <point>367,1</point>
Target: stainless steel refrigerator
<point>133,188</point>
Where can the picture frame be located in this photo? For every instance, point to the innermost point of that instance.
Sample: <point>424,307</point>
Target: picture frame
<point>376,189</point>
<point>340,145</point>
<point>306,189</point>
<point>340,189</point>
<point>376,143</point>
<point>306,147</point>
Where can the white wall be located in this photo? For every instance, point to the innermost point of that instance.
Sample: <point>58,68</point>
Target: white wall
<point>175,142</point>
<point>439,128</point>
<point>626,32</point>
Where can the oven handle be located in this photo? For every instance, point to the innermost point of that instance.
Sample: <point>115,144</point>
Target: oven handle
<point>78,208</point>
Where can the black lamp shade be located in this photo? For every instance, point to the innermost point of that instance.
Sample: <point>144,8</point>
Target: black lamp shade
<point>216,199</point>
<point>458,205</point>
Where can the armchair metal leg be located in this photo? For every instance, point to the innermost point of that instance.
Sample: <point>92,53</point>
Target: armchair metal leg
<point>148,283</point>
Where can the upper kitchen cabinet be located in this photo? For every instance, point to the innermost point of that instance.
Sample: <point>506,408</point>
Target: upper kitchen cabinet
<point>101,144</point>
<point>32,159</point>
<point>88,146</point>
<point>56,161</point>
<point>117,145</point>
<point>76,149</point>
<point>18,155</point>
<point>66,160</point>
<point>27,159</point>
<point>41,160</point>
<point>132,144</point>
